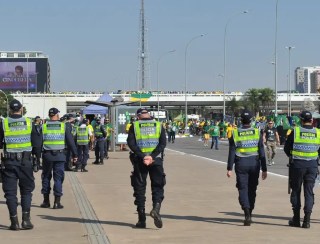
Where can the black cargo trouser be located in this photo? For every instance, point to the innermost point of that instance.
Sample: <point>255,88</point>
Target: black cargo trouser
<point>18,173</point>
<point>139,181</point>
<point>307,177</point>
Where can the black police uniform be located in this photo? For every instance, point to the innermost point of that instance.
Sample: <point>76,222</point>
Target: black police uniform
<point>140,173</point>
<point>17,170</point>
<point>83,152</point>
<point>99,142</point>
<point>36,141</point>
<point>54,165</point>
<point>68,164</point>
<point>301,172</point>
<point>247,171</point>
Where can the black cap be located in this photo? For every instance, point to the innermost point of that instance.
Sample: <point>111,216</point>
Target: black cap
<point>246,116</point>
<point>15,105</point>
<point>37,117</point>
<point>142,111</point>
<point>306,115</point>
<point>53,111</point>
<point>69,116</point>
<point>84,121</point>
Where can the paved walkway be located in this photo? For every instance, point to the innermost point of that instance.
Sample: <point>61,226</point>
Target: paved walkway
<point>200,206</point>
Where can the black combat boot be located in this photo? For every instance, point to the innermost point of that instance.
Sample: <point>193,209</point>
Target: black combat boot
<point>57,204</point>
<point>76,169</point>
<point>306,221</point>
<point>247,217</point>
<point>101,161</point>
<point>14,223</point>
<point>142,218</point>
<point>155,214</point>
<point>83,169</point>
<point>295,221</point>
<point>46,201</point>
<point>96,161</point>
<point>26,222</point>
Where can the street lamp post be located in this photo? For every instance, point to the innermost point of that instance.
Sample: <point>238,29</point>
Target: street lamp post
<point>185,78</point>
<point>289,80</point>
<point>275,61</point>
<point>27,72</point>
<point>158,102</point>
<point>225,60</point>
<point>7,101</point>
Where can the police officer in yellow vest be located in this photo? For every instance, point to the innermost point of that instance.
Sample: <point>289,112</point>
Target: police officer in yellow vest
<point>15,139</point>
<point>246,151</point>
<point>147,141</point>
<point>56,135</point>
<point>302,147</point>
<point>100,135</point>
<point>83,136</point>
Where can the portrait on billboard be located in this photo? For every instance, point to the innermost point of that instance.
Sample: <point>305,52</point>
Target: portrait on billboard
<point>18,76</point>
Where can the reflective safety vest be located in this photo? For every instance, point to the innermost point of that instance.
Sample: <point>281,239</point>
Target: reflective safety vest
<point>97,131</point>
<point>17,134</point>
<point>246,141</point>
<point>147,134</point>
<point>82,135</point>
<point>306,143</point>
<point>54,135</point>
<point>74,130</point>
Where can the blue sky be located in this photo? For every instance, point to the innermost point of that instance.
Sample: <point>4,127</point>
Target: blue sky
<point>93,45</point>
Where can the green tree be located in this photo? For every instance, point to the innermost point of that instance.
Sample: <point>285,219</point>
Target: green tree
<point>251,100</point>
<point>233,107</point>
<point>267,98</point>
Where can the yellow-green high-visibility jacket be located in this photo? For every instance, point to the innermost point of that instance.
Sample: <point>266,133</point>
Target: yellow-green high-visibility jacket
<point>54,135</point>
<point>17,134</point>
<point>97,131</point>
<point>246,141</point>
<point>82,135</point>
<point>147,133</point>
<point>306,143</point>
<point>74,130</point>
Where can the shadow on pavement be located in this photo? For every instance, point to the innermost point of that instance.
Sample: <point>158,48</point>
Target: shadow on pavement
<point>227,221</point>
<point>85,221</point>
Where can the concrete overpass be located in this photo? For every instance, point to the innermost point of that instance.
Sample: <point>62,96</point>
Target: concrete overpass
<point>39,104</point>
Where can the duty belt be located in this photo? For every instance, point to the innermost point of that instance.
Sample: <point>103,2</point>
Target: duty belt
<point>54,151</point>
<point>17,156</point>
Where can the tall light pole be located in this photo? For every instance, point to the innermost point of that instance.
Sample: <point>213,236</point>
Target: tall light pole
<point>275,61</point>
<point>7,101</point>
<point>289,80</point>
<point>225,61</point>
<point>185,78</point>
<point>158,102</point>
<point>27,72</point>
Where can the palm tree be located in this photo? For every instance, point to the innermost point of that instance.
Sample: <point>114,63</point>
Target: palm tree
<point>233,107</point>
<point>251,100</point>
<point>267,98</point>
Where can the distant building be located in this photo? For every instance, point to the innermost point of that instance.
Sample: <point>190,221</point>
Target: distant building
<point>24,71</point>
<point>306,81</point>
<point>315,81</point>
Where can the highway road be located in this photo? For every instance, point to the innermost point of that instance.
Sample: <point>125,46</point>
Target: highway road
<point>194,146</point>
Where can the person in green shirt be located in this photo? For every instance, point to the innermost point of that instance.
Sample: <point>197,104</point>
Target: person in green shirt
<point>214,132</point>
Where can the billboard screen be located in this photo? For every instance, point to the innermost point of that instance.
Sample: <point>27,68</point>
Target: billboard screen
<point>18,76</point>
<point>34,72</point>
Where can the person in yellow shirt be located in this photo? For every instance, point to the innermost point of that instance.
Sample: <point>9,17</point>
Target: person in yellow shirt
<point>91,139</point>
<point>229,130</point>
<point>291,129</point>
